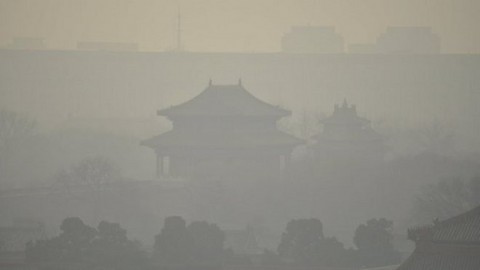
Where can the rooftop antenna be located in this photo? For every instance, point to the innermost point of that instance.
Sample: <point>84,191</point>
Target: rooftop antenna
<point>179,31</point>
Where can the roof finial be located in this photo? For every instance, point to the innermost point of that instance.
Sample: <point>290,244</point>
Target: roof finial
<point>210,82</point>
<point>240,81</point>
<point>345,104</point>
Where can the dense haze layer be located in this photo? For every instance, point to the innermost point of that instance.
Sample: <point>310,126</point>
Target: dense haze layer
<point>397,92</point>
<point>329,138</point>
<point>228,25</point>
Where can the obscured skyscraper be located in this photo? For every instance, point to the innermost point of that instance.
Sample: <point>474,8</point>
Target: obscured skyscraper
<point>409,40</point>
<point>27,43</point>
<point>312,39</point>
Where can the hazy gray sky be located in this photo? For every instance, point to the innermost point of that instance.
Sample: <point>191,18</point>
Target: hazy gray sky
<point>232,25</point>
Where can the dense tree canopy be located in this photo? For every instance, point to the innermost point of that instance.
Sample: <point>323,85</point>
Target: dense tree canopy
<point>199,243</point>
<point>304,243</point>
<point>174,243</point>
<point>208,240</point>
<point>78,243</point>
<point>374,241</point>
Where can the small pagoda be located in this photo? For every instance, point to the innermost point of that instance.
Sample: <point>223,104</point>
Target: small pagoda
<point>452,244</point>
<point>224,129</point>
<point>348,136</point>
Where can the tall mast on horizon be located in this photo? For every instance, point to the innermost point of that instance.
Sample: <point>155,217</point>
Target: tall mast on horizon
<point>179,31</point>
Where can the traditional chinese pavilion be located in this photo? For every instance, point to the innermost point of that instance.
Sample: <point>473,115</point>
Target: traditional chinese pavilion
<point>223,129</point>
<point>452,244</point>
<point>347,135</point>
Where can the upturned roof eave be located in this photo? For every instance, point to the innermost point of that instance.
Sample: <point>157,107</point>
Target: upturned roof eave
<point>171,112</point>
<point>183,109</point>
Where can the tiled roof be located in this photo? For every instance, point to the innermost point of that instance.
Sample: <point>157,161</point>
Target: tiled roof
<point>461,228</point>
<point>464,228</point>
<point>224,100</point>
<point>439,261</point>
<point>452,244</point>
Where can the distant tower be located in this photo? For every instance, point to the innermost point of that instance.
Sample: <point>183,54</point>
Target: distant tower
<point>179,31</point>
<point>347,136</point>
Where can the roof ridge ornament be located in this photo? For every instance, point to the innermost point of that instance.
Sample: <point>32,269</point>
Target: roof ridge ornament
<point>210,83</point>
<point>240,81</point>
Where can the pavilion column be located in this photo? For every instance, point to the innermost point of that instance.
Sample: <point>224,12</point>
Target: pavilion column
<point>159,165</point>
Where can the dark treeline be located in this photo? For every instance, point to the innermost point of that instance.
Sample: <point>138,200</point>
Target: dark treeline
<point>200,245</point>
<point>80,246</point>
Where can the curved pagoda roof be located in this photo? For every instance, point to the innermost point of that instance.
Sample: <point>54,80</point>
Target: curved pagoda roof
<point>345,115</point>
<point>364,134</point>
<point>224,100</point>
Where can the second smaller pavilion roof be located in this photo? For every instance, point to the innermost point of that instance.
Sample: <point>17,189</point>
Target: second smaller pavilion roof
<point>345,115</point>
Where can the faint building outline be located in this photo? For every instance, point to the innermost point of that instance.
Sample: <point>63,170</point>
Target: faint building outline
<point>312,39</point>
<point>408,40</point>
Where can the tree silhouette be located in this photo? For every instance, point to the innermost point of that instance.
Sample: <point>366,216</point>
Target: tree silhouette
<point>300,241</point>
<point>374,241</point>
<point>75,238</point>
<point>112,248</point>
<point>80,244</point>
<point>173,245</point>
<point>304,244</point>
<point>208,240</point>
<point>198,244</point>
<point>72,245</point>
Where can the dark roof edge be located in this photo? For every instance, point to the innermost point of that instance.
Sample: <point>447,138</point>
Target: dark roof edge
<point>461,217</point>
<point>282,112</point>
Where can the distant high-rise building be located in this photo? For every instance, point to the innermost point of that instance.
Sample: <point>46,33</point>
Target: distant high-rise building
<point>27,43</point>
<point>312,39</point>
<point>419,40</point>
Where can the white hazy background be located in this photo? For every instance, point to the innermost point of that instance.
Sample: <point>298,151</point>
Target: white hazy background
<point>229,25</point>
